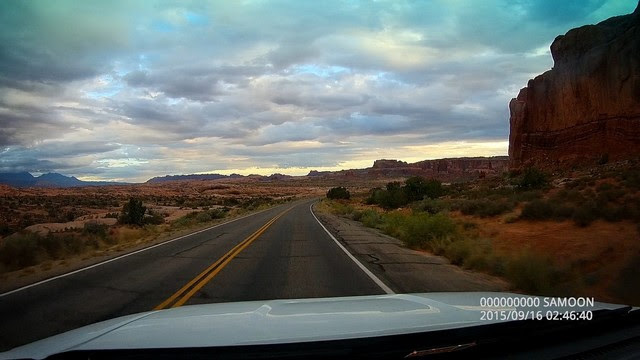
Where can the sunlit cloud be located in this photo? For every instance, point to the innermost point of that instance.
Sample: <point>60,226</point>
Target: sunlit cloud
<point>126,91</point>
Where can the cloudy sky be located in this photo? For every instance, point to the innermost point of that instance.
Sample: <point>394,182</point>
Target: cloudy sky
<point>128,90</point>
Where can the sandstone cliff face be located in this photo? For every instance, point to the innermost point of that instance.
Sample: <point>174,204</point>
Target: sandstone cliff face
<point>588,105</point>
<point>451,169</point>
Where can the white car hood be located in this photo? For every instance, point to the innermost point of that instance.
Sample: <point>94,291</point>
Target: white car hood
<point>276,322</point>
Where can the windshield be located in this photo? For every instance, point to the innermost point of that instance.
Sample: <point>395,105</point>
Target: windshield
<point>160,154</point>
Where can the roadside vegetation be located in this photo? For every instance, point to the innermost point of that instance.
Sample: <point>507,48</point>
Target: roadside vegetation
<point>136,224</point>
<point>439,218</point>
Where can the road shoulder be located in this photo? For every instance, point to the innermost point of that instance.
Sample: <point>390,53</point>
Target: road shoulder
<point>404,270</point>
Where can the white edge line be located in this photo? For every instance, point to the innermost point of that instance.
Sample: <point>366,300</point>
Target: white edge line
<point>125,255</point>
<point>375,279</point>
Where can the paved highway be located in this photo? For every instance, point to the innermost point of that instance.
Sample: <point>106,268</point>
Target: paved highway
<point>279,253</point>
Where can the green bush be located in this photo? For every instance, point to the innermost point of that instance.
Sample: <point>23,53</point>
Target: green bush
<point>132,213</point>
<point>338,193</point>
<point>396,194</point>
<point>522,196</point>
<point>585,214</point>
<point>340,208</point>
<point>537,210</point>
<point>94,228</point>
<point>484,208</point>
<point>532,273</point>
<point>21,250</point>
<point>153,218</point>
<point>431,206</point>
<point>416,188</point>
<point>562,212</point>
<point>533,178</point>
<point>370,218</point>
<point>422,228</point>
<point>73,244</point>
<point>203,217</point>
<point>391,198</point>
<point>631,178</point>
<point>459,252</point>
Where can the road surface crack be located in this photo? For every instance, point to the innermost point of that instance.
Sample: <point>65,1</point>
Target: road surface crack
<point>376,261</point>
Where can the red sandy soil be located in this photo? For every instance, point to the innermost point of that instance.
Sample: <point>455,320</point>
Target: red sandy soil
<point>603,250</point>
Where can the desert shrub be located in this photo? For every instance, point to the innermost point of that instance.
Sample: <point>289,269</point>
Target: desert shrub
<point>5,230</point>
<point>422,228</point>
<point>609,194</point>
<point>431,206</point>
<point>532,178</point>
<point>571,195</point>
<point>73,244</point>
<point>53,246</point>
<point>340,208</point>
<point>394,224</point>
<point>21,250</point>
<point>562,211</point>
<point>230,202</point>
<point>94,228</point>
<point>458,251</point>
<point>154,218</point>
<point>532,273</point>
<point>391,198</point>
<point>396,194</point>
<point>218,213</point>
<point>416,188</point>
<point>339,192</point>
<point>522,196</point>
<point>203,217</point>
<point>631,178</point>
<point>612,212</point>
<point>370,218</point>
<point>585,214</point>
<point>484,208</point>
<point>132,213</point>
<point>537,210</point>
<point>604,187</point>
<point>631,209</point>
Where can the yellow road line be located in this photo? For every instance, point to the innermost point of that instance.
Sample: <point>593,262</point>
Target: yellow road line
<point>187,291</point>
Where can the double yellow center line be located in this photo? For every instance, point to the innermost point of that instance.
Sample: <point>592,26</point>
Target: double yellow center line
<point>187,291</point>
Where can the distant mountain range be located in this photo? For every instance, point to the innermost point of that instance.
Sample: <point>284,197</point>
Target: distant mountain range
<point>191,177</point>
<point>450,169</point>
<point>202,177</point>
<point>25,179</point>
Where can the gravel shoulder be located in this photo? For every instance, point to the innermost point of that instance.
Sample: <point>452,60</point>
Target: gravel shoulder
<point>405,270</point>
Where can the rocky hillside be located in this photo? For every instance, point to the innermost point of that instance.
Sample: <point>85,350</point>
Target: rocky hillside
<point>587,107</point>
<point>451,169</point>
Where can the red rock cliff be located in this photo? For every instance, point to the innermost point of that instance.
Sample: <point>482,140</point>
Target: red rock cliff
<point>588,105</point>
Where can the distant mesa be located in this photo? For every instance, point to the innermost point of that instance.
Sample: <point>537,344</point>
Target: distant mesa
<point>451,169</point>
<point>53,180</point>
<point>313,173</point>
<point>386,164</point>
<point>192,177</point>
<point>587,107</point>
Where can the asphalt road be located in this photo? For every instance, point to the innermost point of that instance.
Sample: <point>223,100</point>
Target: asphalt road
<point>279,253</point>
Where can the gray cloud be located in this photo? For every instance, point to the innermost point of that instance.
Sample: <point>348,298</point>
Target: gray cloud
<point>128,90</point>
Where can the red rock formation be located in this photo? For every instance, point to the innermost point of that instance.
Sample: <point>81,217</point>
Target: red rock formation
<point>452,169</point>
<point>384,163</point>
<point>588,105</point>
